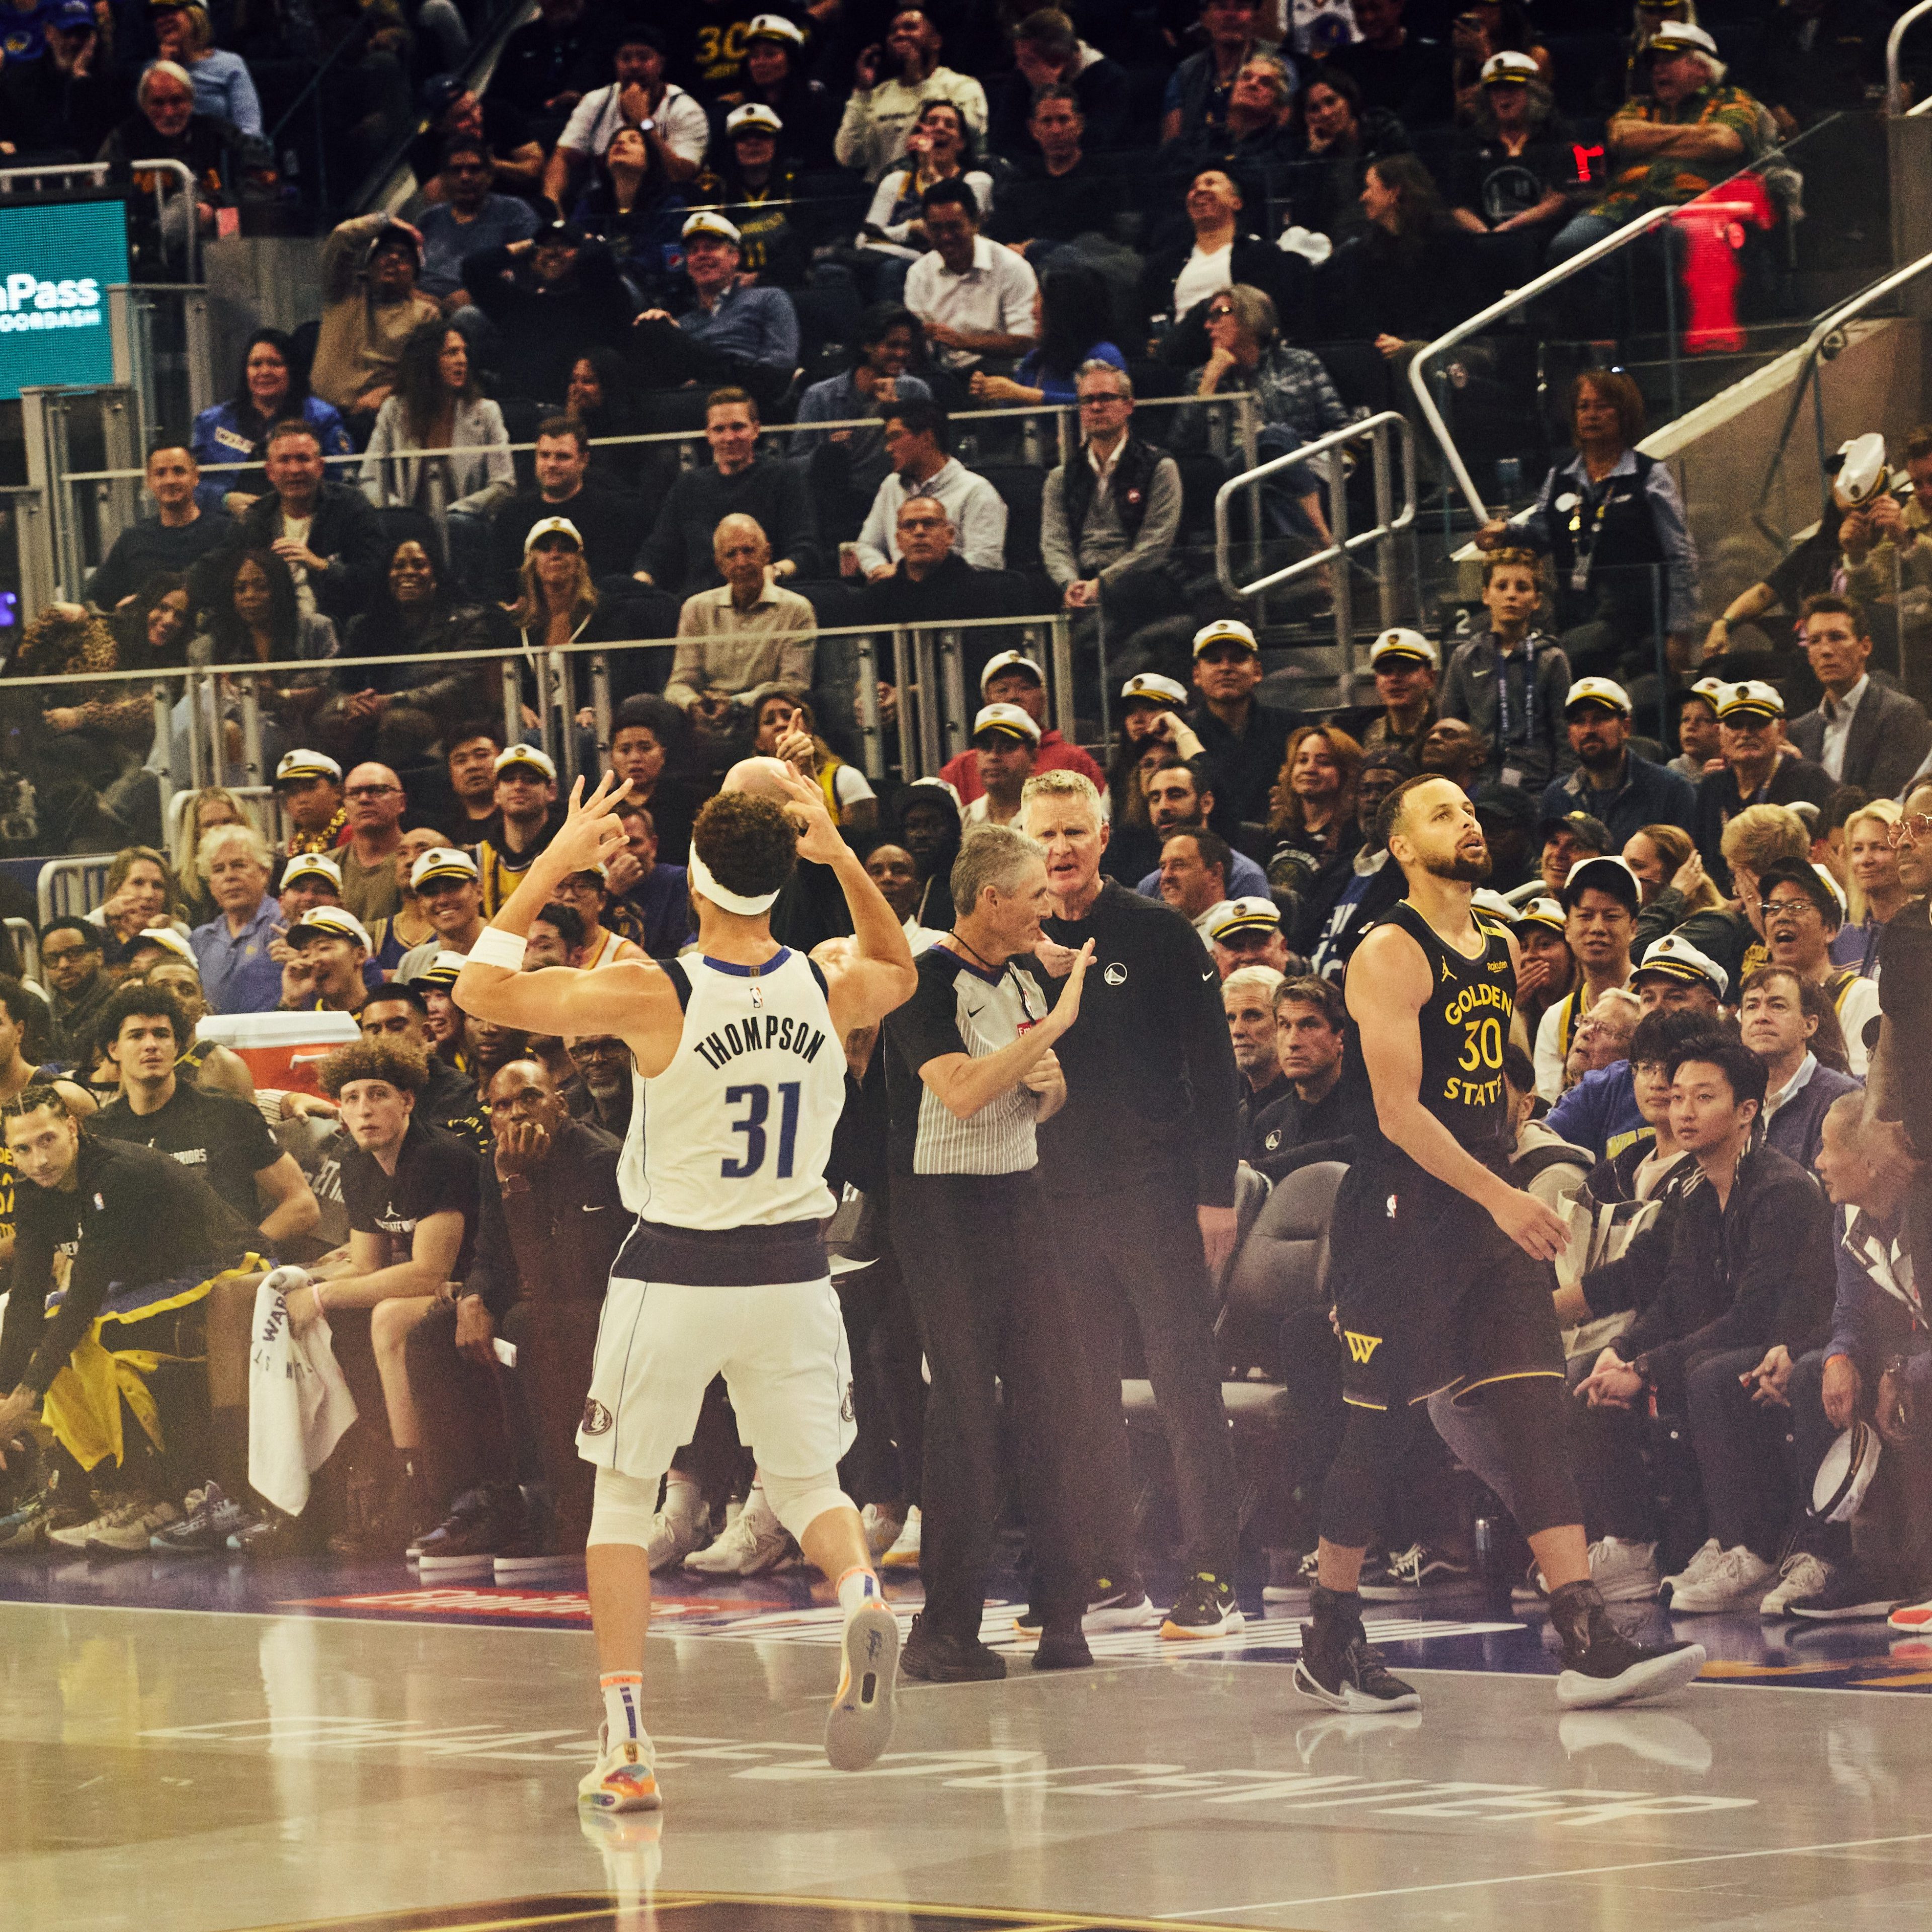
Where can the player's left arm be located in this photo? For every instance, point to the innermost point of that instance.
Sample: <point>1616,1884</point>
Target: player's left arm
<point>876,973</point>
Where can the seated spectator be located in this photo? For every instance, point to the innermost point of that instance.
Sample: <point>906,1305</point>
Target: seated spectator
<point>1862,732</point>
<point>895,871</point>
<point>1452,749</point>
<point>549,65</point>
<point>1248,933</point>
<point>1395,68</point>
<point>764,197</point>
<point>223,88</point>
<point>101,1217</point>
<point>468,216</point>
<point>650,745</point>
<point>1244,738</point>
<point>1511,823</point>
<point>918,444</point>
<point>1885,553</point>
<point>308,880</point>
<point>1179,795</point>
<point>1405,665</point>
<point>540,303</point>
<point>1368,890</point>
<point>325,531</point>
<point>495,124</point>
<point>605,520</point>
<point>1603,1036</point>
<point>1109,517</point>
<point>448,889</point>
<point>1541,1162</point>
<point>1312,823</point>
<point>973,297</point>
<point>1058,192</point>
<point>166,126</point>
<point>650,902</point>
<point>1179,278</point>
<point>399,1013</point>
<point>1732,931</point>
<point>587,895</point>
<point>1295,400</point>
<point>74,967</point>
<point>1049,55</point>
<point>308,788</point>
<point>1511,680</point>
<point>848,465</point>
<point>1775,1025</point>
<point>1662,857</point>
<point>1516,170</point>
<point>1611,782</point>
<point>141,894</point>
<point>1254,140</point>
<point>418,612</point>
<point>1195,104</point>
<point>375,799</point>
<point>1567,841</point>
<point>251,613</point>
<point>1408,277</point>
<point>1673,143</point>
<point>1697,728</point>
<point>1247,997</point>
<point>1488,27</point>
<point>729,331</point>
<point>1005,751</point>
<point>1622,522</point>
<point>551,1224</point>
<point>1760,767</point>
<point>880,111</point>
<point>1750,1269</point>
<point>1600,896</point>
<point>1014,681</point>
<point>393,938</point>
<point>893,234</point>
<point>678,556</point>
<point>528,820</point>
<point>1072,311</point>
<point>1802,912</point>
<point>180,535</point>
<point>1194,876</point>
<point>748,632</point>
<point>370,307</point>
<point>232,950</point>
<point>1334,125</point>
<point>676,129</point>
<point>323,972</point>
<point>1874,890</point>
<point>558,604</point>
<point>437,405</point>
<point>1626,1104</point>
<point>62,107</point>
<point>411,1192</point>
<point>925,818</point>
<point>272,389</point>
<point>931,583</point>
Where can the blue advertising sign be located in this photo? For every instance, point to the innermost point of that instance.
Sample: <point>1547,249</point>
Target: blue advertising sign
<point>57,261</point>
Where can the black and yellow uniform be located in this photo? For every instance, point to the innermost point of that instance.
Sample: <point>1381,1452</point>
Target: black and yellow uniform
<point>1430,1294</point>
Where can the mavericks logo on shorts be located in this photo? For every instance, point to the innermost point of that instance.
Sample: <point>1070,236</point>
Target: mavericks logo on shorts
<point>1361,1347</point>
<point>596,1417</point>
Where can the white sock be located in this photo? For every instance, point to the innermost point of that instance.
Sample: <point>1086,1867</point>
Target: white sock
<point>756,1510</point>
<point>623,1705</point>
<point>858,1585</point>
<point>682,1497</point>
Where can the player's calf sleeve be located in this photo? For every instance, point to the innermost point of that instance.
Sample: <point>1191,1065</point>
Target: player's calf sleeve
<point>1526,1420</point>
<point>798,1500</point>
<point>621,1509</point>
<point>1470,1430</point>
<point>1354,1494</point>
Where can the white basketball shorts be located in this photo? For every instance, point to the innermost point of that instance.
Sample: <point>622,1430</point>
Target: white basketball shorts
<point>780,1349</point>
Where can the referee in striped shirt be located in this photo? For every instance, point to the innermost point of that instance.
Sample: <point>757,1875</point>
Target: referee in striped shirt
<point>970,1073</point>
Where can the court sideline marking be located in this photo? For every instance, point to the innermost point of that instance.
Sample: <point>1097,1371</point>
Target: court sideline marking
<point>1533,1878</point>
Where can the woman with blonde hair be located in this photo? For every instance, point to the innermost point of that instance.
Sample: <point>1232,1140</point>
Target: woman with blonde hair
<point>1872,886</point>
<point>1312,819</point>
<point>556,602</point>
<point>141,893</point>
<point>1664,858</point>
<point>211,806</point>
<point>223,86</point>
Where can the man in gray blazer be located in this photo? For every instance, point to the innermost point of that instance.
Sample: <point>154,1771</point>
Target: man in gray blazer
<point>1864,733</point>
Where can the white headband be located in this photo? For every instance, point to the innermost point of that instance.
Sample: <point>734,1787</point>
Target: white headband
<point>722,896</point>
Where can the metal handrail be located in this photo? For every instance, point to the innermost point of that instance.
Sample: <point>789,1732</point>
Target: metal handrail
<point>1418,379</point>
<point>1821,330</point>
<point>96,170</point>
<point>1891,45</point>
<point>166,165</point>
<point>1243,401</point>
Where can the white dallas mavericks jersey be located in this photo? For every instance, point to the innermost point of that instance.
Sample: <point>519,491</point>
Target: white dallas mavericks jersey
<point>741,1120</point>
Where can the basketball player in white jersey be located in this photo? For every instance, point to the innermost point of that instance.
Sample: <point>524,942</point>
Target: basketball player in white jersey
<point>738,1048</point>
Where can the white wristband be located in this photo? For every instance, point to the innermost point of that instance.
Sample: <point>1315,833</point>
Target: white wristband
<point>495,947</point>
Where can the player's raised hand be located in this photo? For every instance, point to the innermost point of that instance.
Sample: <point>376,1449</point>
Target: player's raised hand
<point>590,833</point>
<point>818,838</point>
<point>1066,1008</point>
<point>1534,1227</point>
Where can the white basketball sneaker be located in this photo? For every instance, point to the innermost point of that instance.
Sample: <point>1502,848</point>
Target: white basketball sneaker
<point>624,1778</point>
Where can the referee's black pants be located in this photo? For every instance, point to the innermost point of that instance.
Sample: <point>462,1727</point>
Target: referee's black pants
<point>1140,1247</point>
<point>976,1251</point>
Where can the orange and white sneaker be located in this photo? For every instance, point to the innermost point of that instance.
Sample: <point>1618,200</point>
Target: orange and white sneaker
<point>1916,1618</point>
<point>624,1778</point>
<point>860,1725</point>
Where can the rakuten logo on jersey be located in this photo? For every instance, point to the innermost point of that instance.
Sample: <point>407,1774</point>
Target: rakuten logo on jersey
<point>26,302</point>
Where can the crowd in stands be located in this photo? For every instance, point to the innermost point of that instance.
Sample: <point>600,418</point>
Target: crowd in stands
<point>627,231</point>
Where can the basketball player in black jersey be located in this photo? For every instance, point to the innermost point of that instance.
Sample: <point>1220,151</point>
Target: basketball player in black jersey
<point>1443,1283</point>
